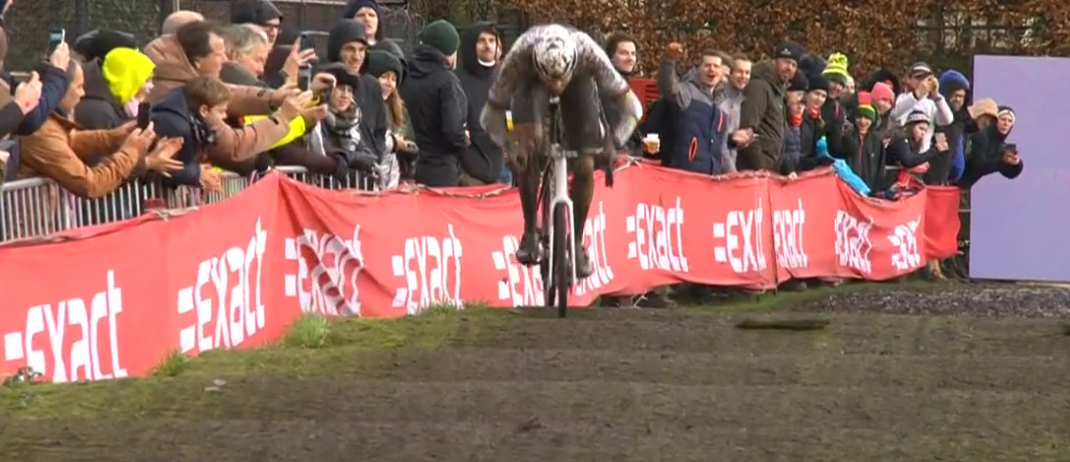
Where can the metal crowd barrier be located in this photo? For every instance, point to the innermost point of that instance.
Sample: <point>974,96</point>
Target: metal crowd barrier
<point>38,207</point>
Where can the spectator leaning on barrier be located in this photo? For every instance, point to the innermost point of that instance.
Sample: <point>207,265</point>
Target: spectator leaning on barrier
<point>59,149</point>
<point>399,160</point>
<point>437,105</point>
<point>988,151</point>
<point>247,47</point>
<point>483,161</point>
<point>261,13</point>
<point>198,49</point>
<point>762,110</point>
<point>189,113</point>
<point>912,146</point>
<point>702,125</point>
<point>339,136</point>
<point>114,87</point>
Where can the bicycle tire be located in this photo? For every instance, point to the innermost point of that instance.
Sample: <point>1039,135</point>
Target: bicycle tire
<point>562,273</point>
<point>545,241</point>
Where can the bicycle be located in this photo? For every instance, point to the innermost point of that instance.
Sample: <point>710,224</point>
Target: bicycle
<point>555,226</point>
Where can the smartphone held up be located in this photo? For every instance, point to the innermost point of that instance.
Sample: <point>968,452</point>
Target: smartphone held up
<point>55,38</point>
<point>144,115</point>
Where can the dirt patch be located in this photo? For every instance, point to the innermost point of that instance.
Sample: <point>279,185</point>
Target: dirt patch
<point>988,300</point>
<point>620,385</point>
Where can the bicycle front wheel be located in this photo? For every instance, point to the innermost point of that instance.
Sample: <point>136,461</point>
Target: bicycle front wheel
<point>561,258</point>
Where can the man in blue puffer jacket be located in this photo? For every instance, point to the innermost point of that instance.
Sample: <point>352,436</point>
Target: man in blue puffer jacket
<point>701,124</point>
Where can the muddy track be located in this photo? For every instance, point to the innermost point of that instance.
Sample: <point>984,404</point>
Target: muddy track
<point>628,385</point>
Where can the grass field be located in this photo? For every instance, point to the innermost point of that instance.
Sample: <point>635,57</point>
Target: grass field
<point>603,385</point>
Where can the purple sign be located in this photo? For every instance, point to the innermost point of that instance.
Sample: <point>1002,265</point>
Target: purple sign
<point>1019,228</point>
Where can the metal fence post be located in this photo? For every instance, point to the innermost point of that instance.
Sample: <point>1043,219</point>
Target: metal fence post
<point>166,8</point>
<point>81,17</point>
<point>302,15</point>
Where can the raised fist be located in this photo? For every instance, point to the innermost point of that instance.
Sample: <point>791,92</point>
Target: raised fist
<point>675,50</point>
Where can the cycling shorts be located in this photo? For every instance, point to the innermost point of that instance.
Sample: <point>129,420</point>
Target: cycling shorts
<point>579,108</point>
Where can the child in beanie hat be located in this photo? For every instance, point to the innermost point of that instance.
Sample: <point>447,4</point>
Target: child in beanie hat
<point>867,146</point>
<point>865,107</point>
<point>442,36</point>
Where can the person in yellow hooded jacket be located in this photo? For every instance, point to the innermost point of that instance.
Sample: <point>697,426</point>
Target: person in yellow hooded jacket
<point>114,87</point>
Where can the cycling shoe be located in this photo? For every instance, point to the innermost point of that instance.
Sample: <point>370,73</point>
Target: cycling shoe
<point>530,251</point>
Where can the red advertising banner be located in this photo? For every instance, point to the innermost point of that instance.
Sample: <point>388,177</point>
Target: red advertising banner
<point>117,300</point>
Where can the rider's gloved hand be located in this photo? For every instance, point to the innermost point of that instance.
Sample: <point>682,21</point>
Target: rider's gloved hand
<point>631,113</point>
<point>493,121</point>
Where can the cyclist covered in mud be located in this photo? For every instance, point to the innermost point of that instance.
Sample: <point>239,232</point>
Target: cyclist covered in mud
<point>555,60</point>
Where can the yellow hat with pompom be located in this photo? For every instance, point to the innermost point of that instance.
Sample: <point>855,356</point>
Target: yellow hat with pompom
<point>836,69</point>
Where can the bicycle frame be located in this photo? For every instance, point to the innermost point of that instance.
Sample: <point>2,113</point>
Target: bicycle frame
<point>558,177</point>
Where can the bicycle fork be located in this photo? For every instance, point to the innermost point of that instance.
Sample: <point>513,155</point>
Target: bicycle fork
<point>560,196</point>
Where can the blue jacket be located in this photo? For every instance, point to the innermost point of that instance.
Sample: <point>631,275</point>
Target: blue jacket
<point>950,81</point>
<point>54,83</point>
<point>171,118</point>
<point>701,130</point>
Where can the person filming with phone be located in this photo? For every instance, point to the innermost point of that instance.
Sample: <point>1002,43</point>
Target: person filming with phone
<point>53,79</point>
<point>197,49</point>
<point>988,151</point>
<point>115,86</point>
<point>61,150</point>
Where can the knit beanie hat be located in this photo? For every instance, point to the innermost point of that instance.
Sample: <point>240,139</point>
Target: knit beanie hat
<point>917,116</point>
<point>920,69</point>
<point>354,6</point>
<point>97,43</point>
<point>789,50</point>
<point>881,91</point>
<point>865,106</point>
<point>798,82</point>
<point>382,61</point>
<point>1006,111</point>
<point>254,12</point>
<point>818,82</point>
<point>442,36</point>
<point>126,70</point>
<point>836,69</point>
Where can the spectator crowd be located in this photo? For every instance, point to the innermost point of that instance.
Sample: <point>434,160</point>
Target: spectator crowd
<point>254,94</point>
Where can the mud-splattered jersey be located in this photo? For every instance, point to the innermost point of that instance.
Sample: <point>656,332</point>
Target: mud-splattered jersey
<point>519,65</point>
